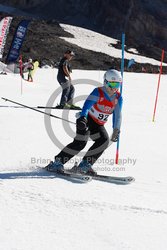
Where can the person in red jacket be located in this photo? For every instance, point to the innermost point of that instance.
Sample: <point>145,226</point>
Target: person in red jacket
<point>99,105</point>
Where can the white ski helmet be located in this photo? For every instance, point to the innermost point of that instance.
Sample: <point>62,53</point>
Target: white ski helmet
<point>112,78</point>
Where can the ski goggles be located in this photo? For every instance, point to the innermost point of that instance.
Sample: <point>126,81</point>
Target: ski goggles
<point>113,85</point>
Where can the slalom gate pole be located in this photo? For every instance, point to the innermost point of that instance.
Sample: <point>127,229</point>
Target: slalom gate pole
<point>25,106</point>
<point>159,80</point>
<point>21,86</point>
<point>21,73</point>
<point>122,71</point>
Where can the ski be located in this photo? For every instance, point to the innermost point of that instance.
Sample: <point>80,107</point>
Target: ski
<point>73,108</point>
<point>72,176</point>
<point>39,107</point>
<point>10,106</point>
<point>43,107</point>
<point>87,178</point>
<point>112,179</point>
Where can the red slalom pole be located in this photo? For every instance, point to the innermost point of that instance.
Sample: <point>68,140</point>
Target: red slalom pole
<point>159,80</point>
<point>21,72</point>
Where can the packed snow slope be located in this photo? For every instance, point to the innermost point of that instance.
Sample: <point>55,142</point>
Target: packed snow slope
<point>88,39</point>
<point>40,211</point>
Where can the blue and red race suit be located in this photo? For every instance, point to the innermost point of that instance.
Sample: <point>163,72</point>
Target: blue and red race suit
<point>99,106</point>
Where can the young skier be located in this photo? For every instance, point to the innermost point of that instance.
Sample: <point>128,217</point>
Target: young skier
<point>101,103</point>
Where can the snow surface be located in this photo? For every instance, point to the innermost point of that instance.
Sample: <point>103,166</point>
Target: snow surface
<point>39,211</point>
<point>91,40</point>
<point>133,51</point>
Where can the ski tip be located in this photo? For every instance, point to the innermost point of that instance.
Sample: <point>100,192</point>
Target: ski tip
<point>87,178</point>
<point>130,178</point>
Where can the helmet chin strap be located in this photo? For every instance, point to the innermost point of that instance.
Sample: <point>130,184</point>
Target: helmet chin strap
<point>105,82</point>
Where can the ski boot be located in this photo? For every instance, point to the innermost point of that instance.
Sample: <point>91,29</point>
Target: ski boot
<point>56,166</point>
<point>83,168</point>
<point>63,106</point>
<point>72,106</point>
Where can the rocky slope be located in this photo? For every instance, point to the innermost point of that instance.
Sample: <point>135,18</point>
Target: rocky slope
<point>144,23</point>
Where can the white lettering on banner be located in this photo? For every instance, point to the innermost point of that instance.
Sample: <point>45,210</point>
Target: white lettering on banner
<point>18,40</point>
<point>4,28</point>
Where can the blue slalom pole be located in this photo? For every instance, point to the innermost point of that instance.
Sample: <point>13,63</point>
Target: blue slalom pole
<point>122,60</point>
<point>122,71</point>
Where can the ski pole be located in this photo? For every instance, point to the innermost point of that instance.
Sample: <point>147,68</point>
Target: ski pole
<point>25,106</point>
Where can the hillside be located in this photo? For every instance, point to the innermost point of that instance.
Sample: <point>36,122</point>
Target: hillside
<point>144,22</point>
<point>47,41</point>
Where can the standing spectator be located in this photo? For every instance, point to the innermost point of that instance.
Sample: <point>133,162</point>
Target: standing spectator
<point>30,68</point>
<point>64,79</point>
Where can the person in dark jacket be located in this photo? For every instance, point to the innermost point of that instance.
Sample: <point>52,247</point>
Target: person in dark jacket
<point>64,79</point>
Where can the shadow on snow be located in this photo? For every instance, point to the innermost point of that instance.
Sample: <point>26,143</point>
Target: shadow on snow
<point>40,174</point>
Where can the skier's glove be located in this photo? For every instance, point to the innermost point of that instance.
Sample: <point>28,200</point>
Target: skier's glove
<point>115,135</point>
<point>81,123</point>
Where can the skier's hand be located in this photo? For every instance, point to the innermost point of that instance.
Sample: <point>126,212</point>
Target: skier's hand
<point>81,123</point>
<point>115,135</point>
